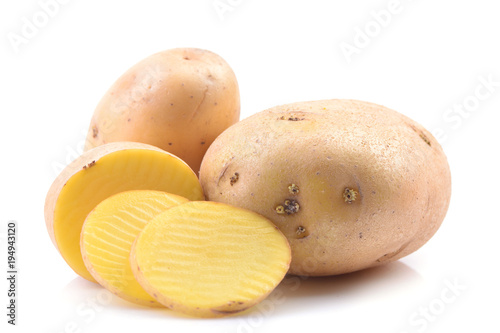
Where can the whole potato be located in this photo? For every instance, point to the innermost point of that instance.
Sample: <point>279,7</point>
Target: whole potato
<point>351,184</point>
<point>179,100</point>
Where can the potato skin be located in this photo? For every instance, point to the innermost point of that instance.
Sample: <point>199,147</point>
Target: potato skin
<point>179,100</point>
<point>351,184</point>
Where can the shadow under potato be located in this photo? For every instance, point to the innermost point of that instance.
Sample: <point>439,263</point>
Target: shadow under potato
<point>291,295</point>
<point>299,286</point>
<point>372,283</point>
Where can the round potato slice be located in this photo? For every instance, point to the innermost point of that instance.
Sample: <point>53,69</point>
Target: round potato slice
<point>108,234</point>
<point>209,259</point>
<point>102,172</point>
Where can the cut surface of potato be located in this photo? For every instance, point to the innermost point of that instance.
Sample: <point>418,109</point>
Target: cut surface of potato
<point>209,259</point>
<point>108,234</point>
<point>102,172</point>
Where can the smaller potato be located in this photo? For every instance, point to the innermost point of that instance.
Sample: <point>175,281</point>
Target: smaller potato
<point>108,234</point>
<point>209,259</point>
<point>179,100</point>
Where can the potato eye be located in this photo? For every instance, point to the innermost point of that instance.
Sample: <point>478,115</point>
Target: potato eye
<point>350,195</point>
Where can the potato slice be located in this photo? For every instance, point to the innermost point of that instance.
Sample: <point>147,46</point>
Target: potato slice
<point>108,233</point>
<point>209,259</point>
<point>100,173</point>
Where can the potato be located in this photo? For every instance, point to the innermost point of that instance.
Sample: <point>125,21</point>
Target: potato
<point>179,100</point>
<point>108,233</point>
<point>208,259</point>
<point>100,173</point>
<point>351,184</point>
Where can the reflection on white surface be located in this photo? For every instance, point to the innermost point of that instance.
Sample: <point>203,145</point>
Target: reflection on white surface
<point>88,307</point>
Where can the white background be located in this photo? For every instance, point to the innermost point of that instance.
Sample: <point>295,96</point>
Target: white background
<point>428,60</point>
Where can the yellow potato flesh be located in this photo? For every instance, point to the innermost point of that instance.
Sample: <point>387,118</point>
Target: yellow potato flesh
<point>208,259</point>
<point>108,234</point>
<point>117,171</point>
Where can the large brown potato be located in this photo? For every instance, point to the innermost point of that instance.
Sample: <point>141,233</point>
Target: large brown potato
<point>351,184</point>
<point>179,100</point>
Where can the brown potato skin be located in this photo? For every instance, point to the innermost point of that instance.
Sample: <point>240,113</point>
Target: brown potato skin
<point>179,100</point>
<point>398,169</point>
